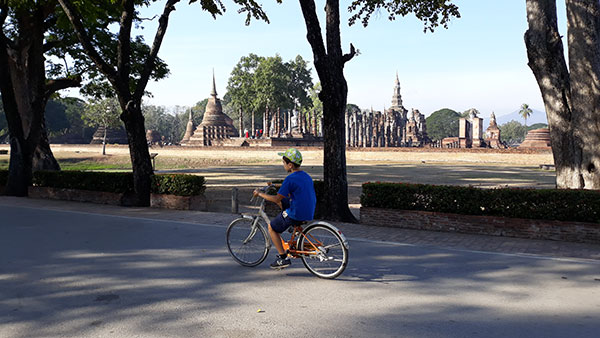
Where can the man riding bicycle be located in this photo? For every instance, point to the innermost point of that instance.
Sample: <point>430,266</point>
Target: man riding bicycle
<point>297,199</point>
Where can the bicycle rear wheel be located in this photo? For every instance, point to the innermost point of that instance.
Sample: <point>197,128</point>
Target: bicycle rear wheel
<point>247,243</point>
<point>328,255</point>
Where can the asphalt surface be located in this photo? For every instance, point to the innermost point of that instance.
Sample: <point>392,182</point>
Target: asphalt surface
<point>82,270</point>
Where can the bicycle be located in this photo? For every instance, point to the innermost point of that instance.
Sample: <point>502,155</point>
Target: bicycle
<point>322,248</point>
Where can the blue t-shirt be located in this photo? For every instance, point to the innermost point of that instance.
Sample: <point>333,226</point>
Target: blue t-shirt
<point>298,186</point>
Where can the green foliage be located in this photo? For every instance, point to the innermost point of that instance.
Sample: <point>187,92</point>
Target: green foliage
<point>316,102</point>
<point>85,180</point>
<point>257,82</point>
<point>102,113</point>
<point>442,123</point>
<point>564,205</point>
<point>525,112</point>
<point>351,107</point>
<point>537,126</point>
<point>56,118</point>
<point>512,132</point>
<point>181,185</point>
<point>157,118</point>
<point>432,13</point>
<point>250,7</point>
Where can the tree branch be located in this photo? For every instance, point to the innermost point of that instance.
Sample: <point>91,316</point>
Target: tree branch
<point>349,56</point>
<point>332,29</point>
<point>124,45</point>
<point>163,22</point>
<point>313,31</point>
<point>52,86</point>
<point>86,42</point>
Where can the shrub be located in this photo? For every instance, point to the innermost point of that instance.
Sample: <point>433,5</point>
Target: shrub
<point>182,185</point>
<point>550,204</point>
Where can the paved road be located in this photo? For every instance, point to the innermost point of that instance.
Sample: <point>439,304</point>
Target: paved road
<point>66,273</point>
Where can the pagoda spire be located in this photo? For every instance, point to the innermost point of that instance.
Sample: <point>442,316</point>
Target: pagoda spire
<point>213,92</point>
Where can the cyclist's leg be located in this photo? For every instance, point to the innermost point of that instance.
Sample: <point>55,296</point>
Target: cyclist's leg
<point>276,227</point>
<point>276,239</point>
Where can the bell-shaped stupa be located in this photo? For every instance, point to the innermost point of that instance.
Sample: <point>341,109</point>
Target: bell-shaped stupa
<point>215,125</point>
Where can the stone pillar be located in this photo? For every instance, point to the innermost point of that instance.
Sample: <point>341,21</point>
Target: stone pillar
<point>253,131</point>
<point>278,122</point>
<point>267,123</point>
<point>314,123</point>
<point>241,124</point>
<point>320,127</point>
<point>346,128</point>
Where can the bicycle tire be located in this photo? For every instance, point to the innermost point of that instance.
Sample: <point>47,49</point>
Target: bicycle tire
<point>248,245</point>
<point>333,257</point>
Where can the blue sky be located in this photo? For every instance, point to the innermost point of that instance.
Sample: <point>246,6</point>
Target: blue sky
<point>479,62</point>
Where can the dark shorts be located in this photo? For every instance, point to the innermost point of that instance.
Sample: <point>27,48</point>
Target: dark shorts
<point>281,223</point>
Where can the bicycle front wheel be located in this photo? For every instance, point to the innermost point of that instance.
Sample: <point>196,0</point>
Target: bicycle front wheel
<point>247,242</point>
<point>327,255</point>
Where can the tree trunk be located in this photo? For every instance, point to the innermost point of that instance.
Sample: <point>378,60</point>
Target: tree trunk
<point>571,100</point>
<point>583,17</point>
<point>329,62</point>
<point>22,81</point>
<point>138,151</point>
<point>43,158</point>
<point>546,60</point>
<point>104,140</point>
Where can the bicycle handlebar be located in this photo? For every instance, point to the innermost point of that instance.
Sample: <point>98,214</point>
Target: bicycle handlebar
<point>262,189</point>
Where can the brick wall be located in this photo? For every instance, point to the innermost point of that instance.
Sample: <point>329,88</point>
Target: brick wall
<point>483,225</point>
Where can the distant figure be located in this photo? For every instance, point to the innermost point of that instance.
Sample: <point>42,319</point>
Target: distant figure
<point>246,133</point>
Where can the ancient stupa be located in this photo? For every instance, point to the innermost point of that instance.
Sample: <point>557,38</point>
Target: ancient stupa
<point>189,130</point>
<point>492,134</point>
<point>215,125</point>
<point>537,138</point>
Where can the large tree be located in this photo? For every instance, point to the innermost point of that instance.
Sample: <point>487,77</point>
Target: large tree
<point>29,30</point>
<point>118,70</point>
<point>257,82</point>
<point>571,94</point>
<point>442,123</point>
<point>329,63</point>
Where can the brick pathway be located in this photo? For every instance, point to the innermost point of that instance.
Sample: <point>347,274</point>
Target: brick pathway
<point>352,231</point>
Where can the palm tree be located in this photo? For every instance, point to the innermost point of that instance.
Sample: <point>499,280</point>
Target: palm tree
<point>525,112</point>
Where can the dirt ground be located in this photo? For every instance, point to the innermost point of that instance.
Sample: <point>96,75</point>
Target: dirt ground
<point>247,168</point>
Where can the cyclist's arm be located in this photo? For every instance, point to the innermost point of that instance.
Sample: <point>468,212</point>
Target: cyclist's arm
<point>271,198</point>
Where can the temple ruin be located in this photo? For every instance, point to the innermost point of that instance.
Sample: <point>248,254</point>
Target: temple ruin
<point>394,127</point>
<point>471,135</point>
<point>537,138</point>
<point>216,126</point>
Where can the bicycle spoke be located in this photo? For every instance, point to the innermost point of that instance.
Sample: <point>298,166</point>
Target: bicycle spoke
<point>327,256</point>
<point>247,242</point>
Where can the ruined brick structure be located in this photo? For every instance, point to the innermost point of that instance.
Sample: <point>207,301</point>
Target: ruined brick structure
<point>537,138</point>
<point>216,126</point>
<point>471,135</point>
<point>395,127</point>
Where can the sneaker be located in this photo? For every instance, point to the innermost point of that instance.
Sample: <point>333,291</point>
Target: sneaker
<point>281,262</point>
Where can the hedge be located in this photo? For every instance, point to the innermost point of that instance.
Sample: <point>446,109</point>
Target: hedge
<point>549,204</point>
<point>117,182</point>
